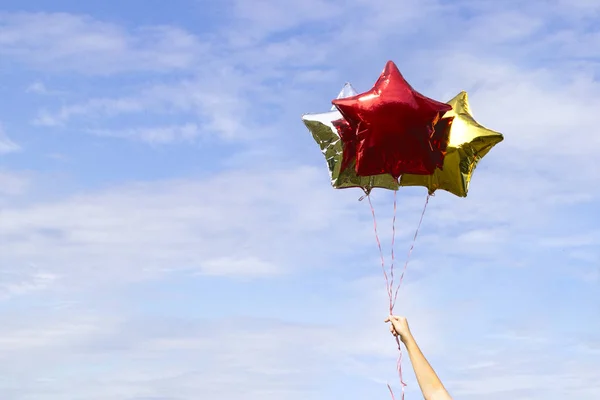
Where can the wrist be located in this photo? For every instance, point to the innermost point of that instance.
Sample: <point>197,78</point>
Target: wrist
<point>407,339</point>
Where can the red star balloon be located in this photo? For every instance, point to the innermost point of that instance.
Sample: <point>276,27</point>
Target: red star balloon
<point>391,128</point>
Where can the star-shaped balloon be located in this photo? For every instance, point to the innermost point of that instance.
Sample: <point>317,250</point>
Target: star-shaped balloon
<point>393,127</point>
<point>326,129</point>
<point>469,143</point>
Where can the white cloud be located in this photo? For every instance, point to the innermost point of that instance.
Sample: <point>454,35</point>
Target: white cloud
<point>12,183</point>
<point>26,284</point>
<point>7,145</point>
<point>104,107</point>
<point>155,135</point>
<point>40,88</point>
<point>181,225</point>
<point>217,103</point>
<point>37,87</point>
<point>265,16</point>
<point>232,266</point>
<point>575,240</point>
<point>44,334</point>
<point>125,357</point>
<point>61,41</point>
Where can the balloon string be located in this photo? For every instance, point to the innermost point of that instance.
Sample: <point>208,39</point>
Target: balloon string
<point>385,275</point>
<point>392,302</point>
<point>390,282</point>
<point>412,246</point>
<point>393,245</point>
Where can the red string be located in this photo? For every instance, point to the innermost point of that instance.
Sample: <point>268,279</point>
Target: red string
<point>393,245</point>
<point>390,282</point>
<point>385,275</point>
<point>412,246</point>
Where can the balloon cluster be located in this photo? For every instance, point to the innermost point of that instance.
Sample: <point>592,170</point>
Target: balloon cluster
<point>392,136</point>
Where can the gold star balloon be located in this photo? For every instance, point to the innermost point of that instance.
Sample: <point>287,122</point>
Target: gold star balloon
<point>325,129</point>
<point>469,143</point>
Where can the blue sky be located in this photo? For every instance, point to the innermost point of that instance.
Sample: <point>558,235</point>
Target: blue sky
<point>168,230</point>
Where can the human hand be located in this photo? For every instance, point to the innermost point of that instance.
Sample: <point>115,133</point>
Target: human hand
<point>399,327</point>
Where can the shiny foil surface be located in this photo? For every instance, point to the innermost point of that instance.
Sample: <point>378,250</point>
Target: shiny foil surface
<point>469,142</point>
<point>325,129</point>
<point>393,128</point>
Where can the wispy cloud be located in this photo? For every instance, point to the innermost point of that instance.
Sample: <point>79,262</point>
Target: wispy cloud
<point>102,107</point>
<point>40,88</point>
<point>12,183</point>
<point>6,144</point>
<point>67,42</point>
<point>25,284</point>
<point>155,135</point>
<point>219,101</point>
<point>191,226</point>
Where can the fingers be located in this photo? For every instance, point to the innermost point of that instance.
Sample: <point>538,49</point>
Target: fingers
<point>392,318</point>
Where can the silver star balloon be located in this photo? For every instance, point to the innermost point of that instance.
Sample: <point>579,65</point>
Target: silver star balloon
<point>327,137</point>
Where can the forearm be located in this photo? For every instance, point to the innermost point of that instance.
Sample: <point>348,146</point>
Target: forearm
<point>431,386</point>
